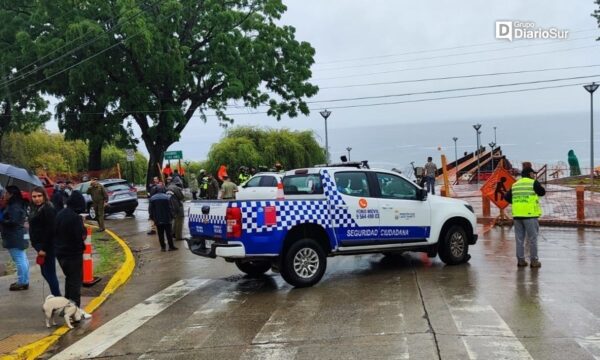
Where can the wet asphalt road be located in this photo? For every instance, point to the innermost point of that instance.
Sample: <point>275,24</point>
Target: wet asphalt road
<point>365,307</point>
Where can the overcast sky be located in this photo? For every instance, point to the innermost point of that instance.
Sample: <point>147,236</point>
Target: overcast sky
<point>344,31</point>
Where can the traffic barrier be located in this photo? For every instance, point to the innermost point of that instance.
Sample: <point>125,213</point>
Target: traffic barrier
<point>88,263</point>
<point>280,195</point>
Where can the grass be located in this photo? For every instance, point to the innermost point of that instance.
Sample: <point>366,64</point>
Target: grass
<point>109,255</point>
<point>10,268</point>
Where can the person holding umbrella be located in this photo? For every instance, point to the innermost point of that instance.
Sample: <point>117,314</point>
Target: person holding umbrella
<point>13,235</point>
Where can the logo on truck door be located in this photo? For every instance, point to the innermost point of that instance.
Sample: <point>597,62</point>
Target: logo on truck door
<point>363,203</point>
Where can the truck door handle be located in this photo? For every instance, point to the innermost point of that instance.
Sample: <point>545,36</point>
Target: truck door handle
<point>341,206</point>
<point>387,207</point>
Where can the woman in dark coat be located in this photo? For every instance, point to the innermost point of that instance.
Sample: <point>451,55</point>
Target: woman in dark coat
<point>13,235</point>
<point>41,234</point>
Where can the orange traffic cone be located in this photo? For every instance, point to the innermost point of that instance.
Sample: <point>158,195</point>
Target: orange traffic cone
<point>280,195</point>
<point>88,263</point>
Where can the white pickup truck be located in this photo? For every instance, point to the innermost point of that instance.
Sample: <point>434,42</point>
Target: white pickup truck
<point>331,211</point>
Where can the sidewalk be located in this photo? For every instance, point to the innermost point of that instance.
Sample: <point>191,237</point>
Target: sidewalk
<point>23,321</point>
<point>559,205</point>
<point>21,311</point>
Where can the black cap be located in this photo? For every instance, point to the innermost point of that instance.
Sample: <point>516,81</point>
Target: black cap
<point>527,171</point>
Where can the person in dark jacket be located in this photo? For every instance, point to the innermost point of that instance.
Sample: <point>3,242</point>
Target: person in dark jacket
<point>69,237</point>
<point>77,200</point>
<point>41,234</point>
<point>13,235</point>
<point>177,199</point>
<point>212,192</point>
<point>162,215</point>
<point>58,197</point>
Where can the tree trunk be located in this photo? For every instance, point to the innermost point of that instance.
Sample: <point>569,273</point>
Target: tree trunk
<point>95,160</point>
<point>156,155</point>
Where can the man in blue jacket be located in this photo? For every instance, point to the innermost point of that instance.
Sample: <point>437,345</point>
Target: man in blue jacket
<point>161,214</point>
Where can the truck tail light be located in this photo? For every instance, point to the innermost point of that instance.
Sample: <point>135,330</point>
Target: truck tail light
<point>233,217</point>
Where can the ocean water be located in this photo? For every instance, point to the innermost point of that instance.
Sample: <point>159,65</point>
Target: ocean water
<point>542,139</point>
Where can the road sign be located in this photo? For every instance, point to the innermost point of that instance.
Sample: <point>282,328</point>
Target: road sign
<point>497,185</point>
<point>130,154</point>
<point>174,155</point>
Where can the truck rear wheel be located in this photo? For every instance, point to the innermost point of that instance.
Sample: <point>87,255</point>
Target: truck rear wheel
<point>253,268</point>
<point>454,247</point>
<point>304,263</point>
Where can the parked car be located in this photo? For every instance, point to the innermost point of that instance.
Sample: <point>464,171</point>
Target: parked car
<point>48,185</point>
<point>122,197</point>
<point>260,186</point>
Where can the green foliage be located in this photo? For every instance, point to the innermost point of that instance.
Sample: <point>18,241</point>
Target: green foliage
<point>21,106</point>
<point>111,155</point>
<point>41,150</point>
<point>45,151</point>
<point>255,147</point>
<point>193,167</point>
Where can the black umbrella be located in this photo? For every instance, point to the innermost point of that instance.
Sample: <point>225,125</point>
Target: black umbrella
<point>24,179</point>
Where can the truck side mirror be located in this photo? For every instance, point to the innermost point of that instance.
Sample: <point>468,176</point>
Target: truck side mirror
<point>422,194</point>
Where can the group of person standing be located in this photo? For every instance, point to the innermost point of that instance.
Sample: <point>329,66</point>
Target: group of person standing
<point>56,233</point>
<point>166,211</point>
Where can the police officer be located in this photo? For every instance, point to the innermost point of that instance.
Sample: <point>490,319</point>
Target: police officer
<point>203,183</point>
<point>243,175</point>
<point>524,197</point>
<point>99,199</point>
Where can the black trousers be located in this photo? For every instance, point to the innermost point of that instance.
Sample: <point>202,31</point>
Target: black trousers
<point>194,195</point>
<point>72,267</point>
<point>163,229</point>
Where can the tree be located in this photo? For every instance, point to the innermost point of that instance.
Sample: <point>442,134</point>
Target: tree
<point>180,57</point>
<point>255,147</point>
<point>22,109</point>
<point>88,103</point>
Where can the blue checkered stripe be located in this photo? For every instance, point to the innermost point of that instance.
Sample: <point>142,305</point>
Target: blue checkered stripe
<point>339,211</point>
<point>289,213</point>
<point>210,219</point>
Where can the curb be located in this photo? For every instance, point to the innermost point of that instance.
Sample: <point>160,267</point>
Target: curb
<point>35,349</point>
<point>550,222</point>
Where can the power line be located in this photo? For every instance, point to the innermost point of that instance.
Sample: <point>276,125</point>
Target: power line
<point>417,100</point>
<point>449,55</point>
<point>457,63</point>
<point>457,77</point>
<point>431,50</point>
<point>452,90</point>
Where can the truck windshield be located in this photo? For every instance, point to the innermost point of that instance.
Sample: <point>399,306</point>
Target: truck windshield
<point>302,184</point>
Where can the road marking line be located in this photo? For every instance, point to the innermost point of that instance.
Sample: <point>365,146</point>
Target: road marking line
<point>118,328</point>
<point>199,325</point>
<point>474,320</point>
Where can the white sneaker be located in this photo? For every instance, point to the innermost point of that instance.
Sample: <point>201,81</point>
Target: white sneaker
<point>86,315</point>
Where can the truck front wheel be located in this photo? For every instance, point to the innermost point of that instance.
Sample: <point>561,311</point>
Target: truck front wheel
<point>454,247</point>
<point>253,268</point>
<point>304,263</point>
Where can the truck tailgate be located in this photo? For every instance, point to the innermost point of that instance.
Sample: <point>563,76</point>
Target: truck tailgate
<point>207,219</point>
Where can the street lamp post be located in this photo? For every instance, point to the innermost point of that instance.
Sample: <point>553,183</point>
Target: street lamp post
<point>349,149</point>
<point>492,145</point>
<point>495,141</point>
<point>591,88</point>
<point>455,159</point>
<point>325,114</point>
<point>477,132</point>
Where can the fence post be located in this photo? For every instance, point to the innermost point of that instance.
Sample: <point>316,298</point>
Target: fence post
<point>580,202</point>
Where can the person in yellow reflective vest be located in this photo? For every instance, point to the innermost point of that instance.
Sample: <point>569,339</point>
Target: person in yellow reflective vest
<point>524,197</point>
<point>243,175</point>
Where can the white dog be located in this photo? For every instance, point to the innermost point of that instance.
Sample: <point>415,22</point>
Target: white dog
<point>63,307</point>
